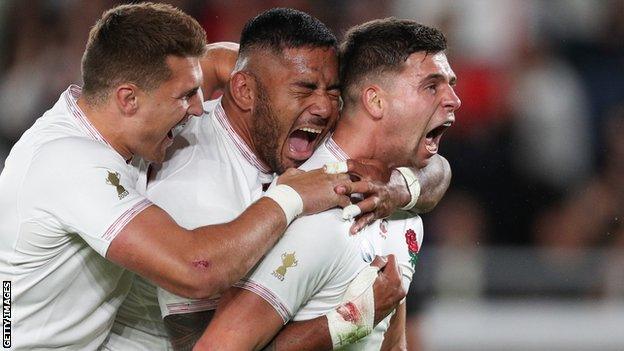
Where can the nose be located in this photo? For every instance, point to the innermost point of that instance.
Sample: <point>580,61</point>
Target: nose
<point>323,105</point>
<point>196,107</point>
<point>451,100</point>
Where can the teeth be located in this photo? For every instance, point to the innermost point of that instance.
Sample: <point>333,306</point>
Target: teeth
<point>311,130</point>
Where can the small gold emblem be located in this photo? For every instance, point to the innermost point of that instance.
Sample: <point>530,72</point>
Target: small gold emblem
<point>288,260</point>
<point>113,179</point>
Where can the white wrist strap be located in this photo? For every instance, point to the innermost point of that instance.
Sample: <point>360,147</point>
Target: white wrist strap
<point>288,199</point>
<point>354,319</point>
<point>413,186</point>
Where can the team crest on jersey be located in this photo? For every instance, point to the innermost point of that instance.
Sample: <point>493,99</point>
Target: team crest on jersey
<point>113,179</point>
<point>412,246</point>
<point>383,229</point>
<point>288,260</point>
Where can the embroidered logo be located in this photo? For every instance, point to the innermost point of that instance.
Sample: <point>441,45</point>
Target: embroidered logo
<point>288,260</point>
<point>383,229</point>
<point>113,179</point>
<point>412,246</point>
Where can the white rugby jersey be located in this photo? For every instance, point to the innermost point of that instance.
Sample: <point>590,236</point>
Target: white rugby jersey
<point>307,272</point>
<point>210,176</point>
<point>65,194</point>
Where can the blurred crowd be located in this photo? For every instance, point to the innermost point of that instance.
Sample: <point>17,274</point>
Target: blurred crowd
<point>537,150</point>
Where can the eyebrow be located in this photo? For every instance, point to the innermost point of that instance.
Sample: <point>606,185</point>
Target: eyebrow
<point>314,86</point>
<point>189,92</point>
<point>438,76</point>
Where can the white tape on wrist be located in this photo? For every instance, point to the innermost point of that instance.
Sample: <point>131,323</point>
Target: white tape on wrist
<point>288,199</point>
<point>413,185</point>
<point>336,167</point>
<point>355,318</point>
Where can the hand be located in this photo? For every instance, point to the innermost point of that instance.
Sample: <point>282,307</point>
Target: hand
<point>316,188</point>
<point>384,191</point>
<point>387,289</point>
<point>369,169</point>
<point>217,65</point>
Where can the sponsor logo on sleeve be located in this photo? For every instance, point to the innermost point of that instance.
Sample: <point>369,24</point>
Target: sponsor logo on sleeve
<point>288,260</point>
<point>113,179</point>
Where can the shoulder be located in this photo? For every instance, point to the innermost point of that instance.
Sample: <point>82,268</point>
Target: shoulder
<point>76,151</point>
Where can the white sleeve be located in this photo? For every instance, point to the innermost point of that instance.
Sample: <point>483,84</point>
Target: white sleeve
<point>310,256</point>
<point>84,187</point>
<point>404,241</point>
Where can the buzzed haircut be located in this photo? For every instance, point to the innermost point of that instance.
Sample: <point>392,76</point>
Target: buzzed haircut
<point>380,46</point>
<point>130,44</point>
<point>284,28</point>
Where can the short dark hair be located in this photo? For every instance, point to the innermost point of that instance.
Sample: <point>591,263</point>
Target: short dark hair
<point>130,43</point>
<point>283,28</point>
<point>381,46</point>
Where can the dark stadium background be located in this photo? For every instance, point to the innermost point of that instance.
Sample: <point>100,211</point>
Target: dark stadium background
<point>526,251</point>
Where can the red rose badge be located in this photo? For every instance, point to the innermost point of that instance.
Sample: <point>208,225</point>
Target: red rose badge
<point>412,246</point>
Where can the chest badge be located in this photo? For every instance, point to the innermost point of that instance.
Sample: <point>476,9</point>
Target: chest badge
<point>288,260</point>
<point>113,179</point>
<point>412,246</point>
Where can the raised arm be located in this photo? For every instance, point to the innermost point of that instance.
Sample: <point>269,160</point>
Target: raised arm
<point>388,190</point>
<point>217,65</point>
<point>201,262</point>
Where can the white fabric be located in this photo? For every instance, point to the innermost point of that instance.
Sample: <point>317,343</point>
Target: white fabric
<point>306,274</point>
<point>288,200</point>
<point>208,177</point>
<point>64,196</point>
<point>354,318</point>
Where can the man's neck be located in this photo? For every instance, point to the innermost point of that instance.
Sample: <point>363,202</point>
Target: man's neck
<point>102,119</point>
<point>241,122</point>
<point>355,136</point>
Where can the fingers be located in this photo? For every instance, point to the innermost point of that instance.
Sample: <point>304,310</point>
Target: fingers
<point>335,167</point>
<point>361,222</point>
<point>292,171</point>
<point>361,187</point>
<point>369,169</point>
<point>350,212</point>
<point>391,270</point>
<point>379,262</point>
<point>344,201</point>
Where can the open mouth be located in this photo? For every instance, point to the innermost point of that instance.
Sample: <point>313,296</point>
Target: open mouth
<point>432,139</point>
<point>177,128</point>
<point>301,142</point>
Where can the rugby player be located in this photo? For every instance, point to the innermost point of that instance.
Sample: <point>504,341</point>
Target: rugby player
<point>399,100</point>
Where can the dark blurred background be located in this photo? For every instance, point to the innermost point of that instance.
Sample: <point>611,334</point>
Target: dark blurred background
<point>526,251</point>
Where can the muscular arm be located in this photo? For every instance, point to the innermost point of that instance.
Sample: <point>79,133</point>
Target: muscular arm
<point>248,322</point>
<point>387,190</point>
<point>394,338</point>
<point>434,180</point>
<point>201,262</point>
<point>217,64</point>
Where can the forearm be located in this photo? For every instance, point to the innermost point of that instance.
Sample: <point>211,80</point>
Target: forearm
<point>305,335</point>
<point>202,262</point>
<point>394,338</point>
<point>217,65</point>
<point>434,180</point>
<point>185,329</point>
<point>224,253</point>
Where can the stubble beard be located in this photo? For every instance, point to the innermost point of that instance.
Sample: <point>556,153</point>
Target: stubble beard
<point>266,131</point>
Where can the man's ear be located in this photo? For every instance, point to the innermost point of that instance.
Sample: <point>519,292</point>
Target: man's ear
<point>373,102</point>
<point>127,99</point>
<point>242,87</point>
